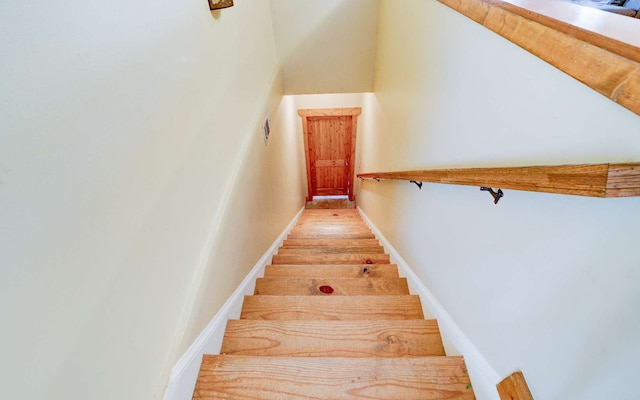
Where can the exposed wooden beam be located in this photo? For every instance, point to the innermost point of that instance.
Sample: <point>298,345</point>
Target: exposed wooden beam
<point>600,49</point>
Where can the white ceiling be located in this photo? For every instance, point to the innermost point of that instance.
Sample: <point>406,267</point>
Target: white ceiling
<point>326,46</point>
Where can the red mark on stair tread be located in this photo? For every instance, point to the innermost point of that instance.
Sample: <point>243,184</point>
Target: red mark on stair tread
<point>326,289</point>
<point>368,261</point>
<point>335,215</point>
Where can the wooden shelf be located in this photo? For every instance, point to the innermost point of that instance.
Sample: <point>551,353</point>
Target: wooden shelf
<point>593,180</point>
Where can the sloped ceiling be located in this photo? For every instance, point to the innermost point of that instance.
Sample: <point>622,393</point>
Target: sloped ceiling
<point>326,46</point>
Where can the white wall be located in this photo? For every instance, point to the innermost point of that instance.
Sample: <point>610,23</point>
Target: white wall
<point>122,126</point>
<point>269,184</point>
<point>326,46</point>
<point>268,191</point>
<point>544,283</point>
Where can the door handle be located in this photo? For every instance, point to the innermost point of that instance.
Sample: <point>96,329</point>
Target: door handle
<point>346,163</point>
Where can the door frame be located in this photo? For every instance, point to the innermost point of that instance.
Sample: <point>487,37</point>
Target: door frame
<point>352,112</point>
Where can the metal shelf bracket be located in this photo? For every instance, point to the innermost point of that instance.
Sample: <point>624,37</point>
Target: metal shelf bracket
<point>418,184</point>
<point>496,195</point>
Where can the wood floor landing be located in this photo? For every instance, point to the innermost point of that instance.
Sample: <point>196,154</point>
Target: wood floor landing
<point>332,319</point>
<point>331,271</point>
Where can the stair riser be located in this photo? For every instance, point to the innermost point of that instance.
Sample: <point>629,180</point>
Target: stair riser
<point>331,271</point>
<point>330,236</point>
<point>332,287</point>
<point>335,232</point>
<point>332,308</point>
<point>332,259</point>
<point>289,243</point>
<point>329,250</point>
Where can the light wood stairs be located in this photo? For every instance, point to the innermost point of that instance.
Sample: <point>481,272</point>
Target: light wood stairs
<point>331,319</point>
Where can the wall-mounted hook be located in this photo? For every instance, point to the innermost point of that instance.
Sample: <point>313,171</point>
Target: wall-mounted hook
<point>496,195</point>
<point>418,184</point>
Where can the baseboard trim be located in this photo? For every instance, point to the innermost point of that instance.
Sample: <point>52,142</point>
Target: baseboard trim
<point>483,377</point>
<point>184,373</point>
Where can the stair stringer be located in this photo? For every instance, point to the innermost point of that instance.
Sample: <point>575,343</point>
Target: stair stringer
<point>484,377</point>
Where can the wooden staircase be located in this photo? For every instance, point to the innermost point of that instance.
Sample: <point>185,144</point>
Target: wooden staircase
<point>331,319</point>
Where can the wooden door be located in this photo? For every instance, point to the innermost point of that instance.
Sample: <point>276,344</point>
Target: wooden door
<point>330,138</point>
<point>329,155</point>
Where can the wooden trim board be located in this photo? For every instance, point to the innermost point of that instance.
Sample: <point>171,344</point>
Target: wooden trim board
<point>600,49</point>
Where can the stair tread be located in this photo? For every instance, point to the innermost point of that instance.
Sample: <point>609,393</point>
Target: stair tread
<point>331,219</point>
<point>339,286</point>
<point>330,211</point>
<point>330,236</point>
<point>407,378</point>
<point>353,226</point>
<point>332,228</point>
<point>333,338</point>
<point>401,307</point>
<point>331,271</point>
<point>348,258</point>
<point>331,250</point>
<point>291,243</point>
<point>329,232</point>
